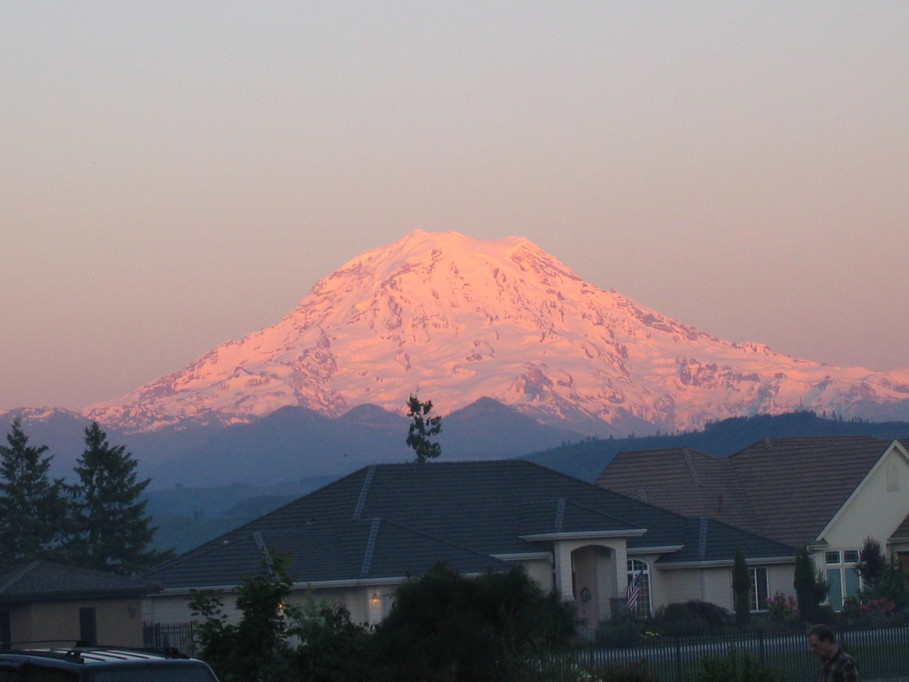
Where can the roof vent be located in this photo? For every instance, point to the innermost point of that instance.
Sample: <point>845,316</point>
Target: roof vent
<point>642,495</point>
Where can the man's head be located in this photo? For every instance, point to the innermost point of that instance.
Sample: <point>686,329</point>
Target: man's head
<point>822,642</point>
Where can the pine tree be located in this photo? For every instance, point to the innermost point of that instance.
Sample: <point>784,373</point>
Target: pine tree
<point>422,428</point>
<point>113,532</point>
<point>32,506</point>
<point>810,586</point>
<point>741,588</point>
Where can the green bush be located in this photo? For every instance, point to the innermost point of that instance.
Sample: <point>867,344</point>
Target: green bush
<point>445,626</point>
<point>693,617</point>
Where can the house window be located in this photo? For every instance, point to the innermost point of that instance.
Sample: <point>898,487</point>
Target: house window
<point>842,577</point>
<point>758,591</point>
<point>637,592</point>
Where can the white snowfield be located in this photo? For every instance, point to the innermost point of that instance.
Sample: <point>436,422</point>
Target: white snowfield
<point>454,319</point>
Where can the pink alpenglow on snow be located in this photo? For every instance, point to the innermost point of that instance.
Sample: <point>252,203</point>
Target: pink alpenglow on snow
<point>454,319</point>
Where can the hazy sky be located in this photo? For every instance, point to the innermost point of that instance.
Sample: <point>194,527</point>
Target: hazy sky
<point>177,174</point>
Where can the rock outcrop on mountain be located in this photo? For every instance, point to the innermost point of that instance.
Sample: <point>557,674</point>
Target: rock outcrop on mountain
<point>455,319</point>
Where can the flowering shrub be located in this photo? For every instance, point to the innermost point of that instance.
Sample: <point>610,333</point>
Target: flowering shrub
<point>870,612</point>
<point>783,608</point>
<point>883,606</point>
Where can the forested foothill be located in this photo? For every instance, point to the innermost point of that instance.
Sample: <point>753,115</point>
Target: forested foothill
<point>587,458</point>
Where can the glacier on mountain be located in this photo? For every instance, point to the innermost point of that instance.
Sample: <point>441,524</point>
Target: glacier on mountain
<point>454,319</point>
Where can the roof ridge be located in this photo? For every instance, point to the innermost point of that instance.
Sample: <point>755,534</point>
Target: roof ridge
<point>560,515</point>
<point>689,462</point>
<point>702,537</point>
<point>370,547</point>
<point>364,491</point>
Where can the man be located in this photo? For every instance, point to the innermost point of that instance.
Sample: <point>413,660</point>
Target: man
<point>836,664</point>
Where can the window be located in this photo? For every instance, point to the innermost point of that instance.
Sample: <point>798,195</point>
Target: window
<point>758,592</point>
<point>842,577</point>
<point>637,594</point>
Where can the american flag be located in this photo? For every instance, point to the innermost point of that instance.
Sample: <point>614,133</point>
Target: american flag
<point>633,590</point>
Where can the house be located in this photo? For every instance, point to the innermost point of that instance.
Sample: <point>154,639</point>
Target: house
<point>828,493</point>
<point>42,601</point>
<point>356,540</point>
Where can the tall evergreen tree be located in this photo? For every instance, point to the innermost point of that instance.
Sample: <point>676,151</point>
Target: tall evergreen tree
<point>422,427</point>
<point>113,532</point>
<point>741,588</point>
<point>32,505</point>
<point>810,586</point>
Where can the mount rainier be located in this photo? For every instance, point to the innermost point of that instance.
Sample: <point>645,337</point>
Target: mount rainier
<point>455,319</point>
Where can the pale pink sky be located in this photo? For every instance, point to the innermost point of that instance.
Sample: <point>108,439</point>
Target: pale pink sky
<point>174,175</point>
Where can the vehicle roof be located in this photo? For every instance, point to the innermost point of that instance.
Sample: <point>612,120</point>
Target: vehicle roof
<point>79,656</point>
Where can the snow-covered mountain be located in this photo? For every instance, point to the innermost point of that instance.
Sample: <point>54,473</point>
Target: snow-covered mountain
<point>454,319</point>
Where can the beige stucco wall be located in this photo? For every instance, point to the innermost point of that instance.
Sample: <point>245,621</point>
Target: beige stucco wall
<point>713,585</point>
<point>366,604</point>
<point>675,586</point>
<point>540,571</point>
<point>599,567</point>
<point>118,621</point>
<point>876,509</point>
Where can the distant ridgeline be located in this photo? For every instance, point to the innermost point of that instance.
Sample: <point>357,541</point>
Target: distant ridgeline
<point>587,459</point>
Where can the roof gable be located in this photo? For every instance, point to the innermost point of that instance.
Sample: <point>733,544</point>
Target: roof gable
<point>755,487</point>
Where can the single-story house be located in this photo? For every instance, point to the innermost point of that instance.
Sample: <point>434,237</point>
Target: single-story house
<point>828,493</point>
<point>42,601</point>
<point>356,540</point>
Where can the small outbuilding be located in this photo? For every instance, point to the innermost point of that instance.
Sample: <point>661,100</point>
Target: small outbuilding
<point>43,601</point>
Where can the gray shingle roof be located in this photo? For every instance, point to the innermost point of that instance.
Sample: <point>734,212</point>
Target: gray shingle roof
<point>786,489</point>
<point>681,479</point>
<point>393,520</point>
<point>48,581</point>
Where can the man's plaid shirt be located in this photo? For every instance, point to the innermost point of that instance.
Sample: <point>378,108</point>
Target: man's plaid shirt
<point>841,668</point>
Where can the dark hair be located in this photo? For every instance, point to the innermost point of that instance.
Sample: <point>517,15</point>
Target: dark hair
<point>822,632</point>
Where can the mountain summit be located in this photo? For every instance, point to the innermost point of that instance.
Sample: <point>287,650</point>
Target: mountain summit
<point>454,319</point>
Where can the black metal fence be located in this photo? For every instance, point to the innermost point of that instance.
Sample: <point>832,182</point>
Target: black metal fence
<point>177,636</point>
<point>881,653</point>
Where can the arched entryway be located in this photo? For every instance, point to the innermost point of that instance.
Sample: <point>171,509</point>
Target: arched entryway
<point>594,583</point>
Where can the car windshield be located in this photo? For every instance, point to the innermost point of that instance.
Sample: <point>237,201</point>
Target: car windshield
<point>168,673</point>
